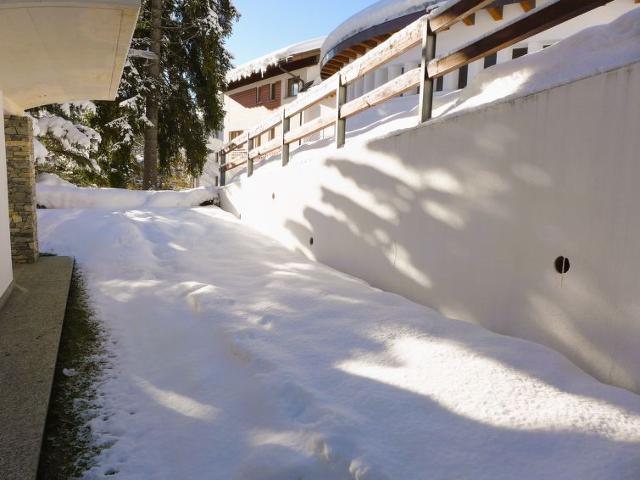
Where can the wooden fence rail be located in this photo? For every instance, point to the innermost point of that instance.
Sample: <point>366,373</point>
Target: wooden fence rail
<point>423,31</point>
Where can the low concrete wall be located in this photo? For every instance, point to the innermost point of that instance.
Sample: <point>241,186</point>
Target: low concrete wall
<point>468,214</point>
<point>6,273</point>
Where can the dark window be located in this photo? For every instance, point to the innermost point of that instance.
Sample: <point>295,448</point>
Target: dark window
<point>293,87</point>
<point>272,91</point>
<point>258,96</point>
<point>257,141</point>
<point>439,84</point>
<point>234,134</point>
<point>519,52</point>
<point>272,133</point>
<point>490,60</point>
<point>463,76</point>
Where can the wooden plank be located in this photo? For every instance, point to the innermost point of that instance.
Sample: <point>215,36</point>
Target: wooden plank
<point>383,93</point>
<point>425,108</point>
<point>266,125</point>
<point>497,13</point>
<point>309,129</point>
<point>270,146</point>
<point>236,143</point>
<point>284,146</point>
<point>453,13</point>
<point>528,5</point>
<point>470,20</point>
<point>393,47</point>
<point>223,164</point>
<point>534,22</point>
<point>341,121</point>
<point>313,96</point>
<point>232,165</point>
<point>249,159</point>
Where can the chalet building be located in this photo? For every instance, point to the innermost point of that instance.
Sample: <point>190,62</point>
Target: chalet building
<point>259,87</point>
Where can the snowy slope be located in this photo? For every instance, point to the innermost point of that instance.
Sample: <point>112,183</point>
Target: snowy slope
<point>53,192</point>
<point>237,359</point>
<point>260,65</point>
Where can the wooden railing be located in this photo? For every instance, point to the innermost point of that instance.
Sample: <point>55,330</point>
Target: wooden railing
<point>422,31</point>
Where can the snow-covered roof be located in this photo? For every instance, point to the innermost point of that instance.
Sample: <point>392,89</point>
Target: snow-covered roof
<point>376,14</point>
<point>260,65</point>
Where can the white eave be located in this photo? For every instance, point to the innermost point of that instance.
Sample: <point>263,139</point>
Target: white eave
<point>54,51</point>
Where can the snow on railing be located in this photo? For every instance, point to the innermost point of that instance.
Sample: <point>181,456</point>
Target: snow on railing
<point>424,31</point>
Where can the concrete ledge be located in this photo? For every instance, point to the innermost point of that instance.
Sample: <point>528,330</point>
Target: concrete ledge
<point>5,296</point>
<point>30,328</point>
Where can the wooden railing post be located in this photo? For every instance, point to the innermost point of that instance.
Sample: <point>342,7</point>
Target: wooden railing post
<point>223,166</point>
<point>249,159</point>
<point>286,126</point>
<point>341,123</point>
<point>426,82</point>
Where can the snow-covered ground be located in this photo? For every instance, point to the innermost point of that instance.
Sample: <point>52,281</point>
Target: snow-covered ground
<point>238,359</point>
<point>54,192</point>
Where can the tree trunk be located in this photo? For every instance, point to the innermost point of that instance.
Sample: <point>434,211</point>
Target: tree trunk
<point>150,180</point>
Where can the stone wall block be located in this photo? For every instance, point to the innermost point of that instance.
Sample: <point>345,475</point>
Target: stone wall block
<point>21,178</point>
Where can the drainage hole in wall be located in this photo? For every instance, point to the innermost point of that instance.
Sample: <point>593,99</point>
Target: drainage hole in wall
<point>311,241</point>
<point>273,196</point>
<point>562,265</point>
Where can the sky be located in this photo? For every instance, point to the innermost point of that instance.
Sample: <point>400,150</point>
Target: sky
<point>268,25</point>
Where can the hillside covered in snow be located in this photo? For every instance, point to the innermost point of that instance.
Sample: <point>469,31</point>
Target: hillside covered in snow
<point>234,358</point>
<point>53,192</point>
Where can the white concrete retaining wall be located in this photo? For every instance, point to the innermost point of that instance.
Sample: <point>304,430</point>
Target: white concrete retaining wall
<point>6,273</point>
<point>467,214</point>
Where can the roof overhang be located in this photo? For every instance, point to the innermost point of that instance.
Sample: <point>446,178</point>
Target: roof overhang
<point>54,51</point>
<point>292,63</point>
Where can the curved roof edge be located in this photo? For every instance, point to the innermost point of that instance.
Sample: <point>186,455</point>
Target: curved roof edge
<point>373,16</point>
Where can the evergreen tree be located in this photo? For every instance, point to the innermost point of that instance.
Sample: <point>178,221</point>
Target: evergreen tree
<point>193,66</point>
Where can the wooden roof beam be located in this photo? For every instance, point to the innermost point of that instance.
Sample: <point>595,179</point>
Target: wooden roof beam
<point>528,5</point>
<point>455,12</point>
<point>497,13</point>
<point>470,20</point>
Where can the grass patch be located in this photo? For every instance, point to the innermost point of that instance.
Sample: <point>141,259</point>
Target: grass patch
<point>68,449</point>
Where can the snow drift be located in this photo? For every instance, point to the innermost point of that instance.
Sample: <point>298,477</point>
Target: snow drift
<point>238,359</point>
<point>53,192</point>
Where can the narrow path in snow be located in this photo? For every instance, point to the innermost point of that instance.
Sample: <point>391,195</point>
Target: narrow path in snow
<point>237,359</point>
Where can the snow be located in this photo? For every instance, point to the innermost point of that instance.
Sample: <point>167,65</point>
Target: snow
<point>261,64</point>
<point>591,51</point>
<point>376,14</point>
<point>53,192</point>
<point>235,358</point>
<point>74,138</point>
